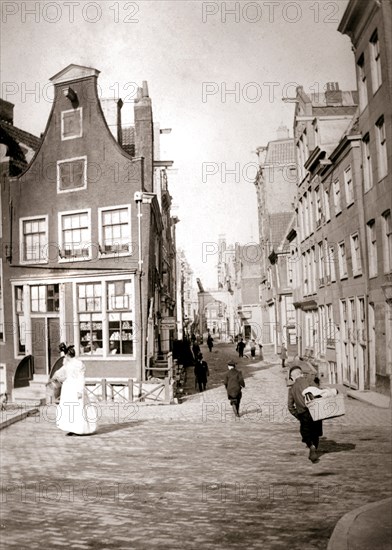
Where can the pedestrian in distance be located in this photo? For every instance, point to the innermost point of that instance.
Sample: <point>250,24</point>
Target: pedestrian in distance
<point>201,373</point>
<point>234,382</point>
<point>195,349</point>
<point>210,342</point>
<point>240,348</point>
<point>74,414</point>
<point>253,349</point>
<point>283,355</point>
<point>310,430</point>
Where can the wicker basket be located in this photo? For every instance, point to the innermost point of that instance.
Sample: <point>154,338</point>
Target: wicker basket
<point>321,408</point>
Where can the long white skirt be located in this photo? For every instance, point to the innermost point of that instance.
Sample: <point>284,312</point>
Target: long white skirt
<point>73,414</point>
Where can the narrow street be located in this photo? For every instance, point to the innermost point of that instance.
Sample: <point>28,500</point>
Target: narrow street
<point>191,475</point>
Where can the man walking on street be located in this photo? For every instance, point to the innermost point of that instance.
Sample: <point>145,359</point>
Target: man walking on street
<point>240,348</point>
<point>310,429</point>
<point>201,372</point>
<point>234,382</point>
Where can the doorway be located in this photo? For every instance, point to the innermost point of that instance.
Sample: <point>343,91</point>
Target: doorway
<point>45,342</point>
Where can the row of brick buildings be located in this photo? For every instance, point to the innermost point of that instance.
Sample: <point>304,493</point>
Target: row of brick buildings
<point>325,200</point>
<point>88,239</point>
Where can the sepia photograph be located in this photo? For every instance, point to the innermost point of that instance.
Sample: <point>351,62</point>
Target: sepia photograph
<point>196,274</point>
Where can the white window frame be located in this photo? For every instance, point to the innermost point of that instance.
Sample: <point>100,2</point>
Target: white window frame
<point>68,160</point>
<point>387,241</point>
<point>367,163</point>
<point>321,262</point>
<point>108,254</point>
<point>342,260</point>
<point>362,82</point>
<point>337,196</point>
<point>80,134</point>
<point>382,154</point>
<point>375,61</point>
<point>327,207</point>
<point>88,244</point>
<point>371,230</point>
<point>349,185</point>
<point>356,256</point>
<point>22,243</point>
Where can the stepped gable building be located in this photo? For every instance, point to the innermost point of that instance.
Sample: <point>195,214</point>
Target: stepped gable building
<point>92,260</point>
<point>369,27</point>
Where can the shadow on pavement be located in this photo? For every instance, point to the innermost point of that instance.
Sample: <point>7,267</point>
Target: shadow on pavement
<point>109,428</point>
<point>329,446</point>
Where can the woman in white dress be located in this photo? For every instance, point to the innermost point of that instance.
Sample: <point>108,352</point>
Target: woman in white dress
<point>75,415</point>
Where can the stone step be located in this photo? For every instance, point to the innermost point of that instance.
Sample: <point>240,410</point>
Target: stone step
<point>30,401</point>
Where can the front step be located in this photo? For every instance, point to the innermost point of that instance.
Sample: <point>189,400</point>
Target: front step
<point>34,393</point>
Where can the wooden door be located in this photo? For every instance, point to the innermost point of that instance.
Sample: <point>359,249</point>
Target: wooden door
<point>39,345</point>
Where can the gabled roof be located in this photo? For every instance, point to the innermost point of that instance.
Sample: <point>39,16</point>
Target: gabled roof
<point>73,72</point>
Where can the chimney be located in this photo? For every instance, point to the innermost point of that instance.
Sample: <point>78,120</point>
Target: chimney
<point>6,111</point>
<point>333,94</point>
<point>282,132</point>
<point>144,134</point>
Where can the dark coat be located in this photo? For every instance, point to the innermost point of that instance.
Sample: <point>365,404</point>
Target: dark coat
<point>234,382</point>
<point>201,371</point>
<point>296,401</point>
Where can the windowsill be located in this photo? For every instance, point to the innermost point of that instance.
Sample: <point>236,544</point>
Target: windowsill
<point>70,137</point>
<point>373,276</point>
<point>382,178</point>
<point>73,259</point>
<point>375,92</point>
<point>344,277</point>
<point>357,274</point>
<point>338,213</point>
<point>350,204</point>
<point>328,220</point>
<point>81,188</point>
<point>33,262</point>
<point>104,255</point>
<point>369,189</point>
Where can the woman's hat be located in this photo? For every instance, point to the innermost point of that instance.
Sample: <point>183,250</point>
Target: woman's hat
<point>231,364</point>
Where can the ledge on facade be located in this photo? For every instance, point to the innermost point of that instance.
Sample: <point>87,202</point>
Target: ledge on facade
<point>371,397</point>
<point>306,305</point>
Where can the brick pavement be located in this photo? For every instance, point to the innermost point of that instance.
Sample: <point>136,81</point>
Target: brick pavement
<point>191,475</point>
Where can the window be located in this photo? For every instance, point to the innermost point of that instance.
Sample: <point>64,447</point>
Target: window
<point>301,220</point>
<point>336,197</point>
<point>381,148</point>
<point>44,298</point>
<point>327,210</point>
<point>372,246</point>
<point>375,62</point>
<point>119,295</point>
<point>331,262</point>
<point>319,210</point>
<point>106,317</point>
<point>367,163</point>
<point>362,83</point>
<point>321,265</point>
<point>115,232</point>
<point>311,211</point>
<point>348,184</point>
<point>72,174</point>
<point>312,271</point>
<point>305,273</point>
<point>387,241</point>
<point>71,124</point>
<point>330,327</point>
<point>361,320</point>
<point>20,322</point>
<point>89,298</point>
<point>306,217</point>
<point>34,239</point>
<point>356,254</point>
<point>74,229</point>
<point>342,261</point>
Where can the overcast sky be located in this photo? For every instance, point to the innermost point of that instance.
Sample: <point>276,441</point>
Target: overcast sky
<point>261,50</point>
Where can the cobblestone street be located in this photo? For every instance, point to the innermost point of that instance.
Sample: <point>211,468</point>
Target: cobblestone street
<point>191,475</point>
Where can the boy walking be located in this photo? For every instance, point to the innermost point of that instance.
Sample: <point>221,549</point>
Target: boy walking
<point>310,429</point>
